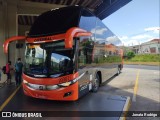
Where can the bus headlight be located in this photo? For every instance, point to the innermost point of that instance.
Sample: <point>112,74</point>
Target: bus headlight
<point>65,84</point>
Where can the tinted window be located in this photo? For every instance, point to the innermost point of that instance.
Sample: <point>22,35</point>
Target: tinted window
<point>88,22</point>
<point>105,44</point>
<point>55,21</point>
<point>86,46</point>
<point>105,36</point>
<point>48,59</point>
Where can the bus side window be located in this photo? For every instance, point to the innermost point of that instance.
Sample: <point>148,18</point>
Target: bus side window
<point>85,51</point>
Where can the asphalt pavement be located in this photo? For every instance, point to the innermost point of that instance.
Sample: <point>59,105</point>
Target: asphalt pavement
<point>140,82</point>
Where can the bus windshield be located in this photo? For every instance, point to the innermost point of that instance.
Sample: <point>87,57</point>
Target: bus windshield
<point>48,59</point>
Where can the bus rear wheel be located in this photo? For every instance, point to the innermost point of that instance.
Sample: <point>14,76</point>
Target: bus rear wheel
<point>118,70</point>
<point>96,83</point>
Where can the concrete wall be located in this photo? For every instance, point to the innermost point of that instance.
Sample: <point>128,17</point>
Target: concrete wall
<point>2,37</point>
<point>21,31</point>
<point>8,12</point>
<point>8,28</point>
<point>9,25</point>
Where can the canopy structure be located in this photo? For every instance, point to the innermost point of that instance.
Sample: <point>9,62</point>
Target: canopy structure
<point>101,8</point>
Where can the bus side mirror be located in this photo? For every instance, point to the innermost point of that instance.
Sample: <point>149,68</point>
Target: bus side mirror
<point>11,39</point>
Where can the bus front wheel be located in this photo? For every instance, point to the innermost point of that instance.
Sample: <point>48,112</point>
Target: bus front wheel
<point>96,83</point>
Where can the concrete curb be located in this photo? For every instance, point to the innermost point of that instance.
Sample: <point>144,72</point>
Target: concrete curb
<point>125,109</point>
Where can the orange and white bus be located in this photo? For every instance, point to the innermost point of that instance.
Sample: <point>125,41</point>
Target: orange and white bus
<point>69,52</point>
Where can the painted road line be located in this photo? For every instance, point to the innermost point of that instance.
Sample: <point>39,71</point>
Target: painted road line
<point>125,109</point>
<point>9,99</point>
<point>135,87</point>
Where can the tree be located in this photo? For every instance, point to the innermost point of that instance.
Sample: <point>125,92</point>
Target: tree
<point>130,54</point>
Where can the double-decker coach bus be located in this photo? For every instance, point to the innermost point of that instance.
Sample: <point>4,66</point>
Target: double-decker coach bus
<point>69,52</point>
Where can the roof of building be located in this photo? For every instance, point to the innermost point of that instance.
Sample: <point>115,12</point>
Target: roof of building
<point>155,40</point>
<point>152,41</point>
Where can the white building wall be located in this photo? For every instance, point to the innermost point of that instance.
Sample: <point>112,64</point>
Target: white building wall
<point>145,48</point>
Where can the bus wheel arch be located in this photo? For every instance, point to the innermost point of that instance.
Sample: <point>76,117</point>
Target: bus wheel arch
<point>100,76</point>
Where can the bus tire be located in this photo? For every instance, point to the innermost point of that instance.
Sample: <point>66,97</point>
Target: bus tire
<point>118,70</point>
<point>96,83</point>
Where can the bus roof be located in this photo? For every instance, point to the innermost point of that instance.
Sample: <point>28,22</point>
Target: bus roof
<point>57,21</point>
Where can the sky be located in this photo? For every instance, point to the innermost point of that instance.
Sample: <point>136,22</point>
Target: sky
<point>136,23</point>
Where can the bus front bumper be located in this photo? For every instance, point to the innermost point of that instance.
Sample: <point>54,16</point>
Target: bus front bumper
<point>69,93</point>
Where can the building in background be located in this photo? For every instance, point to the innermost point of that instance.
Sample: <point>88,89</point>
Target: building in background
<point>150,47</point>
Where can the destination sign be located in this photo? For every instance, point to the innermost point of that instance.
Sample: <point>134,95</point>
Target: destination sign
<point>46,38</point>
<point>43,39</point>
